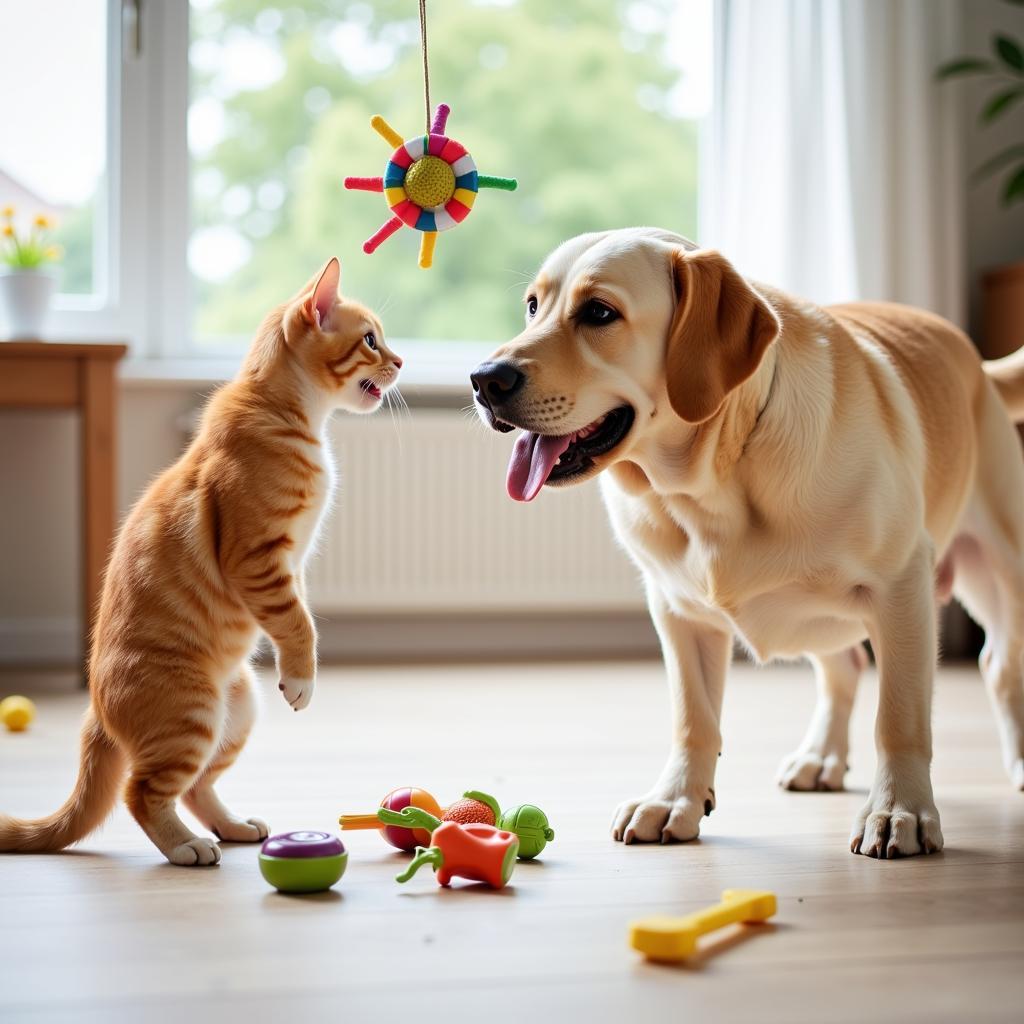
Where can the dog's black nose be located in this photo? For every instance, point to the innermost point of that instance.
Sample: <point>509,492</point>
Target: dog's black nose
<point>494,383</point>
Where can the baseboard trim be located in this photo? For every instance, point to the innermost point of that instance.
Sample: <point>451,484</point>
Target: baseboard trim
<point>484,637</point>
<point>40,640</point>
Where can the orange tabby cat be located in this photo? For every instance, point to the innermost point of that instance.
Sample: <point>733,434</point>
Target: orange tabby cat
<point>212,553</point>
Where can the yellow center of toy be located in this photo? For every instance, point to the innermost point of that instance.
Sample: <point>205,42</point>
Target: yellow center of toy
<point>430,182</point>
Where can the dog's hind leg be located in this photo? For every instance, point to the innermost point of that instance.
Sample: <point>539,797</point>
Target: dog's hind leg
<point>990,585</point>
<point>988,565</point>
<point>819,763</point>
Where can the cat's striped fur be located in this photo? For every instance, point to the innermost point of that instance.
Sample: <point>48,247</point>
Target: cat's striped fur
<point>212,553</point>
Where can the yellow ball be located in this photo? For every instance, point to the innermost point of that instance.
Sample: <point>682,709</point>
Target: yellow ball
<point>430,182</point>
<point>16,713</point>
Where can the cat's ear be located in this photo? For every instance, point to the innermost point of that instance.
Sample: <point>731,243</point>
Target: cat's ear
<point>317,305</point>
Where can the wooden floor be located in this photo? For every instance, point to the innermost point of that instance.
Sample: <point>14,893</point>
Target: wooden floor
<point>110,933</point>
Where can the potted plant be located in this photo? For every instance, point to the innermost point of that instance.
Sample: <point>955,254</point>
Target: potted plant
<point>28,275</point>
<point>1002,287</point>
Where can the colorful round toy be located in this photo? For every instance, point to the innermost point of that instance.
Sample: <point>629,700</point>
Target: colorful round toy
<point>297,862</point>
<point>430,183</point>
<point>401,838</point>
<point>17,713</point>
<point>530,823</point>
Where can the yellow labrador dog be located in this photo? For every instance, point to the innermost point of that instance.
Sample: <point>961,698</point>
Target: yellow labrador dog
<point>802,478</point>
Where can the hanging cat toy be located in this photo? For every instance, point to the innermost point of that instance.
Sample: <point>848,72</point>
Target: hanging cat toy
<point>431,181</point>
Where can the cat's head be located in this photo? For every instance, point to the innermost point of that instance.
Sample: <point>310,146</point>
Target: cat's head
<point>339,344</point>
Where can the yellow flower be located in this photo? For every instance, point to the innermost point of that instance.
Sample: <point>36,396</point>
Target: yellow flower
<point>53,252</point>
<point>8,212</point>
<point>8,231</point>
<point>43,221</point>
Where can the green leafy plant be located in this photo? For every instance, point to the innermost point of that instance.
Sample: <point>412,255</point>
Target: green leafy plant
<point>30,249</point>
<point>1005,70</point>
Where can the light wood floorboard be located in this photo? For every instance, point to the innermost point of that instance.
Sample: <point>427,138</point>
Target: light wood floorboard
<point>110,933</point>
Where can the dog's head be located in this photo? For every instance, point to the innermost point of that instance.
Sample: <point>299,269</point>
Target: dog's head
<point>621,326</point>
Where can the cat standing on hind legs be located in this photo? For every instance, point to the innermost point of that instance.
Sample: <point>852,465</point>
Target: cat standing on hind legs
<point>212,553</point>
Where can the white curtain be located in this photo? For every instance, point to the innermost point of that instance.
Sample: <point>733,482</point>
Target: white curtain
<point>832,163</point>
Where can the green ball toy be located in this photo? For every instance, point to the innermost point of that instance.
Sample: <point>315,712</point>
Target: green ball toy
<point>531,825</point>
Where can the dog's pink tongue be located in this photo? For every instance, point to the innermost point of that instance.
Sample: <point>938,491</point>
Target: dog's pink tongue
<point>533,458</point>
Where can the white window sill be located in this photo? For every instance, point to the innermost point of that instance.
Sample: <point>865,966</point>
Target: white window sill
<point>431,368</point>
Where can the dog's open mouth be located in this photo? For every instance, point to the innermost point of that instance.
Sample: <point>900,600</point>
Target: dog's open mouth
<point>370,388</point>
<point>538,459</point>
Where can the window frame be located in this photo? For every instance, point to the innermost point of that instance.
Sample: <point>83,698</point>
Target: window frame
<point>142,213</point>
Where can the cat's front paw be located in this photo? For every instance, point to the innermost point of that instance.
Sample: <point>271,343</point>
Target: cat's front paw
<point>298,692</point>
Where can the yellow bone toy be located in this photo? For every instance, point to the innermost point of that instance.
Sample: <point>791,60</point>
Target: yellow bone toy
<point>675,938</point>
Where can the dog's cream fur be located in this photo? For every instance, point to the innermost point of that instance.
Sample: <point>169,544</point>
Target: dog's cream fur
<point>799,478</point>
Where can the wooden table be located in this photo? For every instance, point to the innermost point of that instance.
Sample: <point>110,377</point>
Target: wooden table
<point>51,375</point>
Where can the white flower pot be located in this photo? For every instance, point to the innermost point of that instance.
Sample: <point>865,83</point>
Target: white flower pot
<point>25,297</point>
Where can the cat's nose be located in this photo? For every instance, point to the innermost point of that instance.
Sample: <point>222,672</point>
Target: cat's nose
<point>495,383</point>
<point>397,362</point>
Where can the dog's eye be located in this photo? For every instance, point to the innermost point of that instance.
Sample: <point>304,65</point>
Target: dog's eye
<point>597,313</point>
<point>370,340</point>
<point>531,306</point>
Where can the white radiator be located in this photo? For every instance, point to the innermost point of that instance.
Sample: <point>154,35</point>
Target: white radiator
<point>422,523</point>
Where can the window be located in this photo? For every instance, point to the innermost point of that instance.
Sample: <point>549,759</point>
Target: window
<point>591,104</point>
<point>76,143</point>
<point>53,144</point>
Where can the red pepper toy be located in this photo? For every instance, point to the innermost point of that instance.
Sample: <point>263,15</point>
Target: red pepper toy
<point>477,852</point>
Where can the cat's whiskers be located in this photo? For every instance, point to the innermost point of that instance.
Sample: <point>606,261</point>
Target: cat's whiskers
<point>394,422</point>
<point>400,401</point>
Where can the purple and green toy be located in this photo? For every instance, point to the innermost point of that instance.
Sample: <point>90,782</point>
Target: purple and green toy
<point>298,862</point>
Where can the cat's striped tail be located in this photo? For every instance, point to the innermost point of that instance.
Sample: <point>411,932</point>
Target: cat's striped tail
<point>93,799</point>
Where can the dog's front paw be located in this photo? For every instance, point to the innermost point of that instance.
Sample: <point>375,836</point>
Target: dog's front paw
<point>652,819</point>
<point>298,692</point>
<point>900,818</point>
<point>808,770</point>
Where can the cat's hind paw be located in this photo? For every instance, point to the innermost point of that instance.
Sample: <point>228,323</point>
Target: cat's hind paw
<point>252,830</point>
<point>197,852</point>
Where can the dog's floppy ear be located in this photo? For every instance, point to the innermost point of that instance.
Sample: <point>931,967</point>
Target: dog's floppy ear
<point>719,334</point>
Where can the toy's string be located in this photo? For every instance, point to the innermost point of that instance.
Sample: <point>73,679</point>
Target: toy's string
<point>426,69</point>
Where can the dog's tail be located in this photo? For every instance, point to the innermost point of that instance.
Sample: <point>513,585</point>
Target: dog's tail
<point>93,799</point>
<point>1008,376</point>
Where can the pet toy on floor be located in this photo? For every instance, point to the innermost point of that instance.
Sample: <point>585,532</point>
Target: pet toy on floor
<point>431,181</point>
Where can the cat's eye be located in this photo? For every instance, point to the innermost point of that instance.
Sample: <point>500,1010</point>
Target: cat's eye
<point>596,313</point>
<point>531,306</point>
<point>371,339</point>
